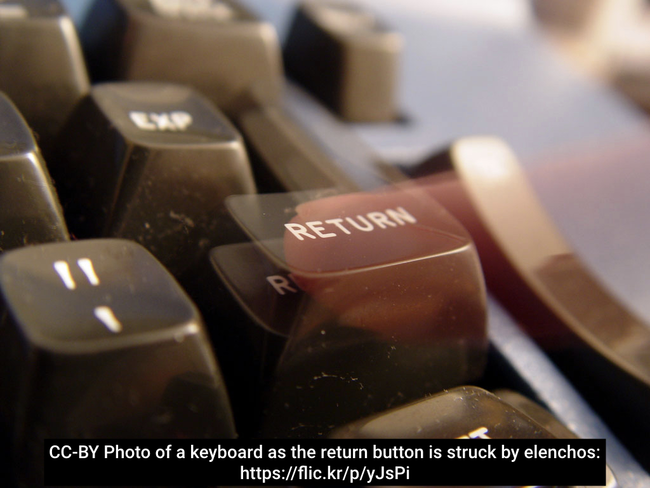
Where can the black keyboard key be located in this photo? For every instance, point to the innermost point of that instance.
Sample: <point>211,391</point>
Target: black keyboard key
<point>152,163</point>
<point>285,157</point>
<point>347,57</point>
<point>467,412</point>
<point>41,65</point>
<point>249,306</point>
<point>303,146</point>
<point>193,406</point>
<point>30,212</point>
<point>603,347</point>
<point>263,289</point>
<point>546,419</point>
<point>393,310</point>
<point>536,412</point>
<point>217,46</point>
<point>99,341</point>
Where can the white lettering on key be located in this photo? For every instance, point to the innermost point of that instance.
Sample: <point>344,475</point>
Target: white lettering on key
<point>141,120</point>
<point>480,433</point>
<point>298,231</point>
<point>337,222</point>
<point>86,266</point>
<point>182,120</point>
<point>366,227</point>
<point>317,227</point>
<point>280,284</point>
<point>106,316</point>
<point>381,219</point>
<point>193,9</point>
<point>400,216</point>
<point>63,270</point>
<point>389,218</point>
<point>164,121</point>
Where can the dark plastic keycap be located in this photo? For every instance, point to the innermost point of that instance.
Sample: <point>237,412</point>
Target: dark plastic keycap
<point>347,57</point>
<point>285,157</point>
<point>393,307</point>
<point>546,419</point>
<point>530,267</point>
<point>30,212</point>
<point>152,163</point>
<point>303,146</point>
<point>466,412</point>
<point>100,341</point>
<point>217,46</point>
<point>264,290</point>
<point>249,306</point>
<point>536,412</point>
<point>41,65</point>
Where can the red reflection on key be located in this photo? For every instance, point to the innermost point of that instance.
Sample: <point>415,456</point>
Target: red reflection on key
<point>394,262</point>
<point>393,303</point>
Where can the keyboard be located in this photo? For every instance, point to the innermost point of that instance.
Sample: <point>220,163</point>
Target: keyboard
<point>267,247</point>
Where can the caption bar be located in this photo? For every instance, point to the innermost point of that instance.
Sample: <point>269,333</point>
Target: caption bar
<point>325,462</point>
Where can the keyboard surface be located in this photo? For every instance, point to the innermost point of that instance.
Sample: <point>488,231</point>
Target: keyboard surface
<point>472,70</point>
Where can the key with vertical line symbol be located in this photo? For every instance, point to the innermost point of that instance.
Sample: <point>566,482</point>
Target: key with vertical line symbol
<point>116,341</point>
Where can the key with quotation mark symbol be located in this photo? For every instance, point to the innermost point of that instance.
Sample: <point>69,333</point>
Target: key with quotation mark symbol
<point>117,334</point>
<point>103,313</point>
<point>86,265</point>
